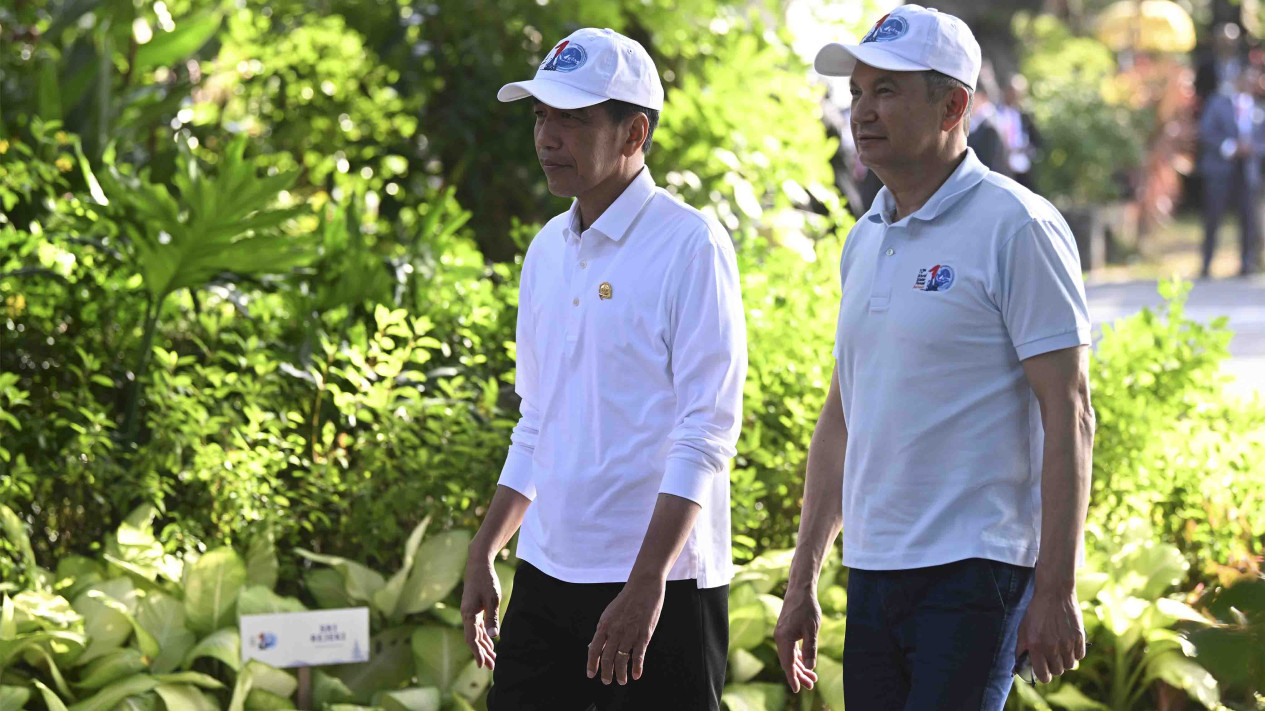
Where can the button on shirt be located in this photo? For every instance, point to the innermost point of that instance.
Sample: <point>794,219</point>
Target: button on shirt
<point>632,354</point>
<point>945,439</point>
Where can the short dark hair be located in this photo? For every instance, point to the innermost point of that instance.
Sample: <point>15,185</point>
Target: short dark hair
<point>940,84</point>
<point>619,111</point>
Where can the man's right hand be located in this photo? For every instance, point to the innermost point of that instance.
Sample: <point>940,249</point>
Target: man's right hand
<point>480,608</point>
<point>799,622</point>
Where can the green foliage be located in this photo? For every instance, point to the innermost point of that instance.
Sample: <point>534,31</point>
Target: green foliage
<point>1172,449</point>
<point>1091,139</point>
<point>1234,649</point>
<point>150,633</point>
<point>1138,627</point>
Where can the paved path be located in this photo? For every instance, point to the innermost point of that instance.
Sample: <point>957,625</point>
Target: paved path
<point>1243,300</point>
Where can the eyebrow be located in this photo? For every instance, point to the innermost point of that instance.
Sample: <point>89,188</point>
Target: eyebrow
<point>881,81</point>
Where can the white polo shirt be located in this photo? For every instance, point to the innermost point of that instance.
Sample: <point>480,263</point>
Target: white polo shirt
<point>944,433</point>
<point>632,353</point>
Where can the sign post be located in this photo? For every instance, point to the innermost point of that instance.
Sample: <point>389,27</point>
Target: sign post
<point>305,640</point>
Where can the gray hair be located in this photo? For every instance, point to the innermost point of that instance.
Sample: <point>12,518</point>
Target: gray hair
<point>939,85</point>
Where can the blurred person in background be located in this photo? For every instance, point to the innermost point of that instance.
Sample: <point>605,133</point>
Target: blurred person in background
<point>1231,146</point>
<point>986,137</point>
<point>1019,130</point>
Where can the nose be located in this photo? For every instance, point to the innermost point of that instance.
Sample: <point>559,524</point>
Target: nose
<point>548,137</point>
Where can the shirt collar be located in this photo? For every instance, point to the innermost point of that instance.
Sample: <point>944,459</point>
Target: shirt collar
<point>968,174</point>
<point>615,221</point>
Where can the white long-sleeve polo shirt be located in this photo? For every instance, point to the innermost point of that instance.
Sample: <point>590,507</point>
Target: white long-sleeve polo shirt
<point>632,354</point>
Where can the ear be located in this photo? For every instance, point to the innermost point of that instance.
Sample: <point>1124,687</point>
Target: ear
<point>954,108</point>
<point>636,135</point>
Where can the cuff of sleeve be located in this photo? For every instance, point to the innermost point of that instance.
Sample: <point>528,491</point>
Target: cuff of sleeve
<point>516,474</point>
<point>1228,146</point>
<point>1069,339</point>
<point>687,480</point>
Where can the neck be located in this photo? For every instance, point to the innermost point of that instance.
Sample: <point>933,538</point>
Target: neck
<point>913,185</point>
<point>597,199</point>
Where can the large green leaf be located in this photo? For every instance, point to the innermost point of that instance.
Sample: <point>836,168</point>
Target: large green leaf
<point>75,573</point>
<point>45,610</point>
<point>211,588</point>
<point>163,618</point>
<point>327,588</point>
<point>107,626</point>
<point>360,582</point>
<point>107,698</point>
<point>438,568</point>
<point>390,665</point>
<point>51,699</point>
<point>471,681</point>
<point>829,684</point>
<point>188,36</point>
<point>110,667</point>
<point>1185,674</point>
<point>134,548</point>
<point>386,599</point>
<point>327,689</point>
<point>261,561</point>
<point>259,600</point>
<point>1028,694</point>
<point>754,697</point>
<point>748,626</point>
<point>440,653</point>
<point>192,678</point>
<point>148,645</point>
<point>224,645</point>
<point>1071,698</point>
<point>261,700</point>
<point>271,679</point>
<point>14,697</point>
<point>743,666</point>
<point>15,530</point>
<point>183,697</point>
<point>425,699</point>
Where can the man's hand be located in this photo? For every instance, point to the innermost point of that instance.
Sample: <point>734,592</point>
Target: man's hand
<point>1052,633</point>
<point>800,621</point>
<point>624,631</point>
<point>480,608</point>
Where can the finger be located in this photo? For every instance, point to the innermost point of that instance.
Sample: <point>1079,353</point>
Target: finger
<point>810,649</point>
<point>595,651</point>
<point>485,642</point>
<point>492,618</point>
<point>639,658</point>
<point>1069,659</point>
<point>806,677</point>
<point>786,656</point>
<point>470,625</point>
<point>1082,647</point>
<point>1040,668</point>
<point>608,661</point>
<point>621,667</point>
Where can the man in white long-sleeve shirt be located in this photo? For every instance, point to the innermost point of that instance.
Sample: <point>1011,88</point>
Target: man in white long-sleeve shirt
<point>631,359</point>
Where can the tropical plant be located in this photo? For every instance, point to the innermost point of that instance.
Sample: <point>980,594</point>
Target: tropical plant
<point>1234,648</point>
<point>1138,626</point>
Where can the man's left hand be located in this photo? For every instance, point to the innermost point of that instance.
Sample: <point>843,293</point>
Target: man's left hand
<point>624,632</point>
<point>1052,633</point>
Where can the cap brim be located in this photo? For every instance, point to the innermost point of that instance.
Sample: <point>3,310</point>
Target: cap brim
<point>839,60</point>
<point>555,94</point>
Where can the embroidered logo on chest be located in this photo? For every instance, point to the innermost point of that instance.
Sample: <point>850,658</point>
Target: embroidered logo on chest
<point>937,278</point>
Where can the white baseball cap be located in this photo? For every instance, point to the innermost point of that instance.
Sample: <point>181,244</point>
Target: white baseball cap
<point>910,38</point>
<point>589,67</point>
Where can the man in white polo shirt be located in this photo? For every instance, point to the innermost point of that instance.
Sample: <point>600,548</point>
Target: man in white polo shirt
<point>631,359</point>
<point>957,432</point>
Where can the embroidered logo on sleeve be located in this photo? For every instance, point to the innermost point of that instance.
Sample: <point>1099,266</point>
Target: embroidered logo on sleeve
<point>937,278</point>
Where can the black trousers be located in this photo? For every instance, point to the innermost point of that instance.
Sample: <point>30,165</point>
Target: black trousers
<point>1220,194</point>
<point>543,649</point>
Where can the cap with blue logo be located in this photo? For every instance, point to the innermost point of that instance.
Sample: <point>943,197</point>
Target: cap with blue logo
<point>910,38</point>
<point>589,67</point>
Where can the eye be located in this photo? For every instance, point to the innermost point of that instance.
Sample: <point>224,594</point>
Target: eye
<point>855,93</point>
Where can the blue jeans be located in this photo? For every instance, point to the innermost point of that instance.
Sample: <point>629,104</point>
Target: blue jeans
<point>939,638</point>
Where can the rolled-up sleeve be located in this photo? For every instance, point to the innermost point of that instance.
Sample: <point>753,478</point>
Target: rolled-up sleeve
<point>517,472</point>
<point>709,366</point>
<point>1042,294</point>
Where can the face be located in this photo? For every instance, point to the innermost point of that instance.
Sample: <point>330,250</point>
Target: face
<point>579,148</point>
<point>894,123</point>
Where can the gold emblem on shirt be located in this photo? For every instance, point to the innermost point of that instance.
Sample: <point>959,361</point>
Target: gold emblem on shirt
<point>604,291</point>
